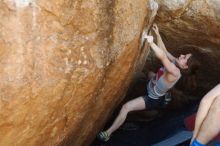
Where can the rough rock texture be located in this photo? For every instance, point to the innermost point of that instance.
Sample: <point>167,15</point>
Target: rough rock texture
<point>64,65</point>
<point>194,22</point>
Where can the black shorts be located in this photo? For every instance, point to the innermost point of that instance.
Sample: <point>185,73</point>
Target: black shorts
<point>162,102</point>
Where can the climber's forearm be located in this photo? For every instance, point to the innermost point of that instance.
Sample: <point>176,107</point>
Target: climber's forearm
<point>162,46</point>
<point>158,51</point>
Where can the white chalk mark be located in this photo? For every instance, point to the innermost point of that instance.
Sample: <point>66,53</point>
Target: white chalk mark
<point>153,5</point>
<point>22,3</point>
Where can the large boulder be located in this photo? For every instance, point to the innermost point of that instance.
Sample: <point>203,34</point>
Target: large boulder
<point>64,65</point>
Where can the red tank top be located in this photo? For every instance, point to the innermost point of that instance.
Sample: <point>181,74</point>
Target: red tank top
<point>160,72</point>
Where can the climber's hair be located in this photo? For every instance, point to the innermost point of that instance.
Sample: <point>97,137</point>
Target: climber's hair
<point>188,81</point>
<point>193,65</point>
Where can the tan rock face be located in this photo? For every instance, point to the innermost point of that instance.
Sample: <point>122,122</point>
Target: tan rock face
<point>194,22</point>
<point>64,65</point>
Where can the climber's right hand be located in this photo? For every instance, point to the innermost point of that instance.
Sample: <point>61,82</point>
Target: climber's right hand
<point>149,38</point>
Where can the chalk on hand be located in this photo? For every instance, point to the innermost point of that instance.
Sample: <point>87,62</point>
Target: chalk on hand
<point>149,38</point>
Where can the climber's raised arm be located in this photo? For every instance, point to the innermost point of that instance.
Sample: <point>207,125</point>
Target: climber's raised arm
<point>161,55</point>
<point>161,44</point>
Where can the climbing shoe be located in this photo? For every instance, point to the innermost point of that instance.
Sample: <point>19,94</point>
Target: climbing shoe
<point>103,136</point>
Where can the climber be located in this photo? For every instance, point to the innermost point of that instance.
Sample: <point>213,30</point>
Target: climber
<point>207,118</point>
<point>159,84</point>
